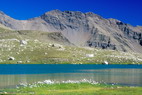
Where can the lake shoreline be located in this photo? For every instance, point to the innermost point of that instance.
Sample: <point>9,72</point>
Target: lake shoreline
<point>124,75</point>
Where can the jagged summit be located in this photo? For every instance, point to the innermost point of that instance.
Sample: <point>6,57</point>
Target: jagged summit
<point>83,29</point>
<point>53,12</point>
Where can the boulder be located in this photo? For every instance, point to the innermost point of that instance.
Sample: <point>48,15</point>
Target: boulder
<point>19,62</point>
<point>57,45</point>
<point>23,42</point>
<point>105,63</point>
<point>89,55</point>
<point>11,58</point>
<point>27,61</point>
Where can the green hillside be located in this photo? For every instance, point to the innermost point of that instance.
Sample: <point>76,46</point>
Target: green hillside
<point>36,47</point>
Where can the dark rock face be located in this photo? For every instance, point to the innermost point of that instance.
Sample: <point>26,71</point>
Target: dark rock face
<point>83,29</point>
<point>59,37</point>
<point>130,33</point>
<point>141,42</point>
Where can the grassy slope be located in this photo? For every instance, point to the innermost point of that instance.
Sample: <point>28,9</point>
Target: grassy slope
<point>39,50</point>
<point>74,89</point>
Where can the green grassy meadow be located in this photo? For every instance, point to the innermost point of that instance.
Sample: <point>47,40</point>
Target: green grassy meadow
<point>74,89</point>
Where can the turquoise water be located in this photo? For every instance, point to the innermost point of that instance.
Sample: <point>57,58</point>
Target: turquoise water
<point>12,75</point>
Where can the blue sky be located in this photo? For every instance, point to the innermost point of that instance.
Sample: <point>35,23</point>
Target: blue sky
<point>128,11</point>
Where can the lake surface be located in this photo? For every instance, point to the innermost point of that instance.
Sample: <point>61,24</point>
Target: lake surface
<point>12,75</point>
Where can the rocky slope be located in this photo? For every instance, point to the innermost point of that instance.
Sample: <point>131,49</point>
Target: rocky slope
<point>41,47</point>
<point>83,29</point>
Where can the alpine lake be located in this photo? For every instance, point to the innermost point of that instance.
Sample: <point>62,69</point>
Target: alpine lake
<point>12,76</point>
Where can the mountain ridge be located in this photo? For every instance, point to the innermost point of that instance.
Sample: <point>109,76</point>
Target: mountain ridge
<point>83,29</point>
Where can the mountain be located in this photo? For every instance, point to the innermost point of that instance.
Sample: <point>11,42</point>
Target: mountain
<point>83,29</point>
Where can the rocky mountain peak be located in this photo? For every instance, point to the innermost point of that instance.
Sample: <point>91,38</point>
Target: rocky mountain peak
<point>53,12</point>
<point>91,14</point>
<point>73,13</point>
<point>76,14</point>
<point>114,21</point>
<point>83,29</point>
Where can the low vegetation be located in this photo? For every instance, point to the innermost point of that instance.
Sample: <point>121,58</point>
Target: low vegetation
<point>34,47</point>
<point>73,89</point>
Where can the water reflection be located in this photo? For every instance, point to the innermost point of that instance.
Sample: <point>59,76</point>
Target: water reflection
<point>132,77</point>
